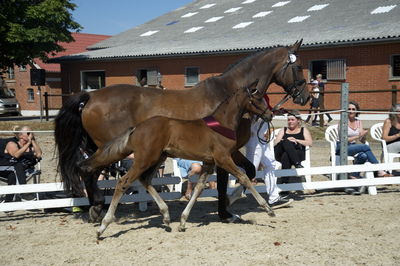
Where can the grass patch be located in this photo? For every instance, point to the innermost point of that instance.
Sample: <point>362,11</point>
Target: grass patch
<point>35,125</point>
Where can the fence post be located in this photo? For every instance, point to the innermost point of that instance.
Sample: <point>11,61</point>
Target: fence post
<point>394,94</point>
<point>343,127</point>
<point>46,105</point>
<point>321,105</point>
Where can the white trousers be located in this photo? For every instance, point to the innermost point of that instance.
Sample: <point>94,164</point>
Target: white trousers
<point>258,154</point>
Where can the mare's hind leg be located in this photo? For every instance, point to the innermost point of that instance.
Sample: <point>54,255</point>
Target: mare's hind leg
<point>140,165</point>
<point>206,171</point>
<point>89,171</point>
<point>146,182</point>
<point>95,195</point>
<point>227,163</point>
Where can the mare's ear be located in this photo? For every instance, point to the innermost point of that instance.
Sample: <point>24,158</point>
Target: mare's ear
<point>295,47</point>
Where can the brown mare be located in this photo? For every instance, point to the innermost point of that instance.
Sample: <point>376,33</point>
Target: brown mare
<point>89,120</point>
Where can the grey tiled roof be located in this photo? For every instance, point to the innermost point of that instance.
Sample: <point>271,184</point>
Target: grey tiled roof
<point>336,22</point>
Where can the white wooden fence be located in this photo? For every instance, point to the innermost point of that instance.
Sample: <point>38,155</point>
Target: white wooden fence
<point>142,197</point>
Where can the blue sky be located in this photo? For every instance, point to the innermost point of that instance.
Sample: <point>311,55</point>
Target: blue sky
<point>113,17</point>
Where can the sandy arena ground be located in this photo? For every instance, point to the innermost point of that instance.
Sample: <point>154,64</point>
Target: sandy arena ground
<point>329,228</point>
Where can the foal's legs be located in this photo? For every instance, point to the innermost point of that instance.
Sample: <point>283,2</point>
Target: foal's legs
<point>146,182</point>
<point>206,171</point>
<point>141,164</point>
<point>227,163</point>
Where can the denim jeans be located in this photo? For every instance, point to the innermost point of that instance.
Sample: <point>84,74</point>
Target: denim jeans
<point>363,151</point>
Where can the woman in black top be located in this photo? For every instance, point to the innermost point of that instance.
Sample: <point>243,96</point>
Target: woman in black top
<point>391,130</point>
<point>21,152</point>
<point>290,143</point>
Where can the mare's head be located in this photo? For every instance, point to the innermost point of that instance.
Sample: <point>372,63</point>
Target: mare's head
<point>256,105</point>
<point>289,74</point>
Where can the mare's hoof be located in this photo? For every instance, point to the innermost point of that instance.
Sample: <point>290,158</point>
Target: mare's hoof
<point>98,234</point>
<point>168,228</point>
<point>271,213</point>
<point>95,216</point>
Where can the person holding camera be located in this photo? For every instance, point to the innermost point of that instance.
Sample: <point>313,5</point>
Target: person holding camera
<point>24,147</point>
<point>22,152</point>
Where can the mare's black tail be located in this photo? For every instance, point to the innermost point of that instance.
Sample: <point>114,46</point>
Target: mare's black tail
<point>70,137</point>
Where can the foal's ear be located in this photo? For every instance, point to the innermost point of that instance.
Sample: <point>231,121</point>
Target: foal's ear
<point>295,47</point>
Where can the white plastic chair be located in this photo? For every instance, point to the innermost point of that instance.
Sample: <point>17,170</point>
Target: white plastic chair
<point>34,174</point>
<point>376,133</point>
<point>306,163</point>
<point>332,136</point>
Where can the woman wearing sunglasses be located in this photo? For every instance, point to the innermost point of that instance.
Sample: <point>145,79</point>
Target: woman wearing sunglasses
<point>356,141</point>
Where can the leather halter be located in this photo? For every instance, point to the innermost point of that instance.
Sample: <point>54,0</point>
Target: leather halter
<point>291,90</point>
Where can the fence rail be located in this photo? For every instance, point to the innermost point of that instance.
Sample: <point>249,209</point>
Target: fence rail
<point>142,197</point>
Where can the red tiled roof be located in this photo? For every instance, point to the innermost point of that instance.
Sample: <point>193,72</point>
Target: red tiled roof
<point>82,40</point>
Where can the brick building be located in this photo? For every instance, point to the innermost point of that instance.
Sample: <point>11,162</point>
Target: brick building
<point>18,79</point>
<point>346,41</point>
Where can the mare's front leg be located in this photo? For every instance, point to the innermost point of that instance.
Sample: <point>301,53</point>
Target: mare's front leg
<point>207,169</point>
<point>227,163</point>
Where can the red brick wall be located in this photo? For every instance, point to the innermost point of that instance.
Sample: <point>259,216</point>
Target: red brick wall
<point>367,69</point>
<point>22,82</point>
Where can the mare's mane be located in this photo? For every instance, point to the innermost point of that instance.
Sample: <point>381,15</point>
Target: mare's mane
<point>243,62</point>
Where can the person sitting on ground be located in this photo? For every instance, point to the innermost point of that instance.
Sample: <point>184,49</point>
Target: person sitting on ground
<point>290,144</point>
<point>22,152</point>
<point>356,133</point>
<point>391,130</point>
<point>190,168</point>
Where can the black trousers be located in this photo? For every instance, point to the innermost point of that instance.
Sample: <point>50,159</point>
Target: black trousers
<point>10,175</point>
<point>288,154</point>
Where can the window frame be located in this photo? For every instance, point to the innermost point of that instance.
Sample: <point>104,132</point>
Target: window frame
<point>328,64</point>
<point>391,77</point>
<point>83,72</point>
<point>191,84</point>
<point>11,73</point>
<point>28,98</point>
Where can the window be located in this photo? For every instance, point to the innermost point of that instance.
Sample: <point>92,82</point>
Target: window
<point>149,77</point>
<point>332,69</point>
<point>10,73</point>
<point>191,76</point>
<point>31,95</point>
<point>12,90</point>
<point>93,80</point>
<point>395,67</point>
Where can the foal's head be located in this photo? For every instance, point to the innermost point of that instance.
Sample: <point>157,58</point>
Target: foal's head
<point>257,105</point>
<point>290,74</point>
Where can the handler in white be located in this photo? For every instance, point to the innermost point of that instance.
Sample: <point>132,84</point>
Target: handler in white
<point>258,154</point>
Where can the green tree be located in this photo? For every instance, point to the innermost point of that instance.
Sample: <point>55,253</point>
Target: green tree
<point>33,28</point>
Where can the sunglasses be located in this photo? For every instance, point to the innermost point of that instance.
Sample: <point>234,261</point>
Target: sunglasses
<point>352,109</point>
